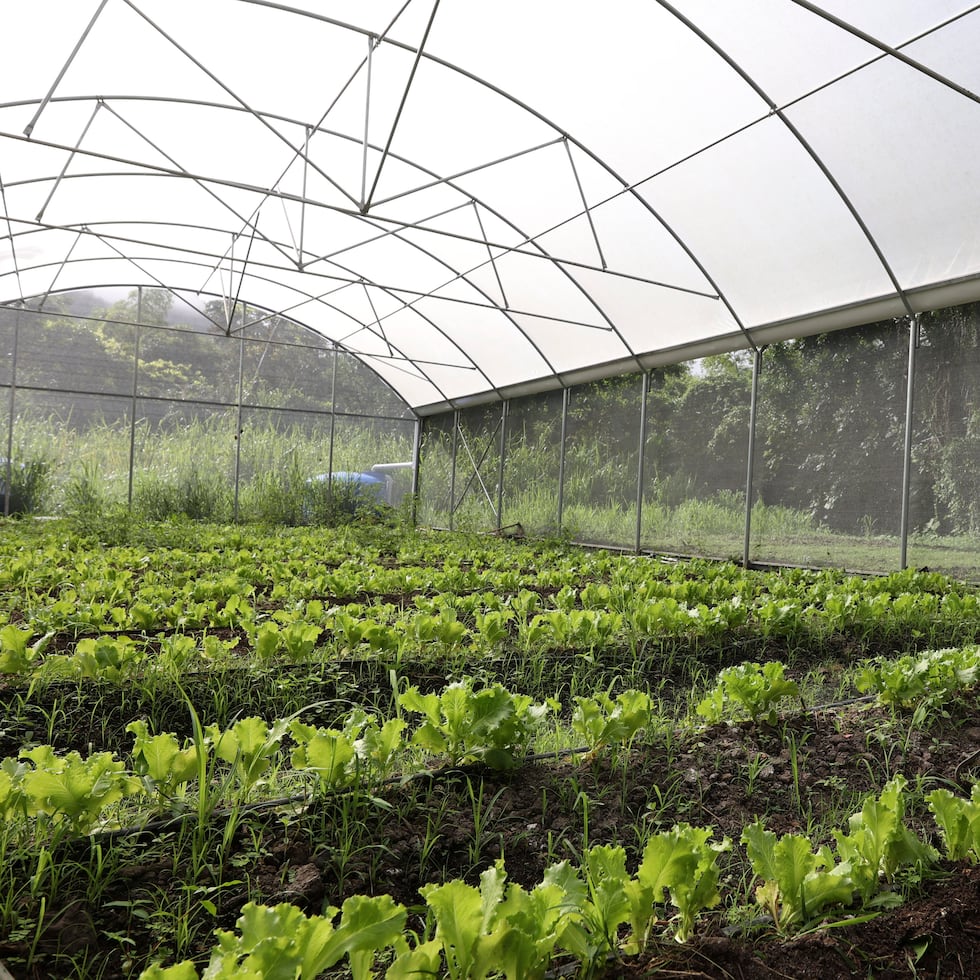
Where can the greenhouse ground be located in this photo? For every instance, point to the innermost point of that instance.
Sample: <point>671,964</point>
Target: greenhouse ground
<point>109,903</point>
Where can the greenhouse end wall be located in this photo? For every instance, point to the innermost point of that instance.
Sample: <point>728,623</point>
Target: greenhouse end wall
<point>661,463</point>
<point>124,408</point>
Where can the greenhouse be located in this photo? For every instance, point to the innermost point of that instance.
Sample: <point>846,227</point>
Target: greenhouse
<point>489,491</point>
<point>690,278</point>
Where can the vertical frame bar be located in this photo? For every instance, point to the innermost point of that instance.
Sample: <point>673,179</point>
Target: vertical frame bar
<point>333,420</point>
<point>750,462</point>
<point>561,456</point>
<point>641,463</point>
<point>504,408</point>
<point>452,469</point>
<point>10,419</point>
<point>238,418</point>
<point>907,457</point>
<point>136,378</point>
<point>416,470</point>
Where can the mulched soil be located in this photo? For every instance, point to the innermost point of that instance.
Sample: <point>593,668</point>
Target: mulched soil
<point>807,772</point>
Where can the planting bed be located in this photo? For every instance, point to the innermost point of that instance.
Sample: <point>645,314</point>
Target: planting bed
<point>150,878</point>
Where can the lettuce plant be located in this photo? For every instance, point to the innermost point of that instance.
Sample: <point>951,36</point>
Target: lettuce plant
<point>489,725</point>
<point>958,820</point>
<point>748,689</point>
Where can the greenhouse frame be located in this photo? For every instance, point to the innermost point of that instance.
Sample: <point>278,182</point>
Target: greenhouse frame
<point>688,277</point>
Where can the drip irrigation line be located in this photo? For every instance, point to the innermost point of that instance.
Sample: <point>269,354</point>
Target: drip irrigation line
<point>841,704</point>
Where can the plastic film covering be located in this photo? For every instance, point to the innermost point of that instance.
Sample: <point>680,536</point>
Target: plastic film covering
<point>695,457</point>
<point>602,454</point>
<point>829,449</point>
<point>480,201</point>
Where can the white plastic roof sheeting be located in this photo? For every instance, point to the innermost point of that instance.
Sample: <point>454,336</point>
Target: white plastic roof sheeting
<point>483,199</point>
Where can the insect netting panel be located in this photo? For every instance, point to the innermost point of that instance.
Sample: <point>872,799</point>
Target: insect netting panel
<point>184,461</point>
<point>476,487</point>
<point>694,464</point>
<point>602,461</point>
<point>829,449</point>
<point>532,463</point>
<point>364,444</point>
<point>359,391</point>
<point>57,352</point>
<point>944,503</point>
<point>83,441</point>
<point>436,470</point>
<point>9,320</point>
<point>283,448</point>
<point>287,369</point>
<point>178,363</point>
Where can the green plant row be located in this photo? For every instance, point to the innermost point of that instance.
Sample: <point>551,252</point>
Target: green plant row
<point>922,681</point>
<point>236,578</point>
<point>482,622</point>
<point>69,795</point>
<point>594,911</point>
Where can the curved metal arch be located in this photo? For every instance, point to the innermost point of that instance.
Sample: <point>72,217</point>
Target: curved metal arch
<point>355,278</point>
<point>557,262</point>
<point>256,306</point>
<point>309,297</point>
<point>803,142</point>
<point>627,187</point>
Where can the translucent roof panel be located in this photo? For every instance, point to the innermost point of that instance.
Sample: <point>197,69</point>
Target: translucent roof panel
<point>479,200</point>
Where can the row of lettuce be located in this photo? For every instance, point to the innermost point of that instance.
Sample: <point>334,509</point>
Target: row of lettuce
<point>598,909</point>
<point>45,796</point>
<point>167,634</point>
<point>300,595</point>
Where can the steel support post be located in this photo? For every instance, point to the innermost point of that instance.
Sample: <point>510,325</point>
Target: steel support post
<point>750,463</point>
<point>452,469</point>
<point>10,418</point>
<point>416,470</point>
<point>132,411</point>
<point>504,408</point>
<point>641,462</point>
<point>561,456</point>
<point>238,416</point>
<point>907,457</point>
<point>333,421</point>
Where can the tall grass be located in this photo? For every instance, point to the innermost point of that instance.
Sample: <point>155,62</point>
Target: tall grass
<point>187,468</point>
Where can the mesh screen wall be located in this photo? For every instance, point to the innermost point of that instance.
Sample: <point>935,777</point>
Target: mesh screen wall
<point>829,463</point>
<point>602,454</point>
<point>829,449</point>
<point>532,463</point>
<point>190,416</point>
<point>436,471</point>
<point>944,500</point>
<point>694,458</point>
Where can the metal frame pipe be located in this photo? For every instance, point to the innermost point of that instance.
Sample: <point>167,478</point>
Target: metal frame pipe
<point>641,462</point>
<point>750,456</point>
<point>10,418</point>
<point>561,456</point>
<point>238,419</point>
<point>452,469</point>
<point>907,449</point>
<point>504,409</point>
